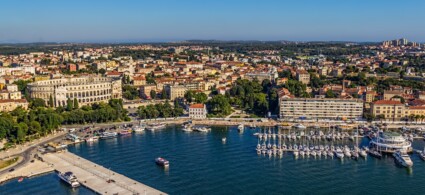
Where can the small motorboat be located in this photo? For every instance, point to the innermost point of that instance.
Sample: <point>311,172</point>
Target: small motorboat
<point>162,162</point>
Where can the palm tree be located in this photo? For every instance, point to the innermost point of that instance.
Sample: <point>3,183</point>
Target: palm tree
<point>417,118</point>
<point>411,117</point>
<point>422,117</point>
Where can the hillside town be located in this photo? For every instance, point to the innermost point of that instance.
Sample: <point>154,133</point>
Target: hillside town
<point>281,80</point>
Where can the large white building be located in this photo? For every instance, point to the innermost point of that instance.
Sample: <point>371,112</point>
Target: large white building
<point>320,108</point>
<point>86,90</point>
<point>197,111</point>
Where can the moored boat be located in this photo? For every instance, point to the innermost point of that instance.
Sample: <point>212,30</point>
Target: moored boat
<point>124,132</point>
<point>300,126</point>
<point>108,135</point>
<point>69,178</point>
<point>139,128</point>
<point>155,126</point>
<point>241,127</point>
<point>403,158</point>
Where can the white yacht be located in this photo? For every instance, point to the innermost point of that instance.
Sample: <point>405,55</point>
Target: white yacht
<point>108,135</point>
<point>390,142</point>
<point>241,127</point>
<point>201,128</point>
<point>139,128</point>
<point>69,178</point>
<point>300,126</point>
<point>363,153</point>
<point>339,153</point>
<point>187,127</point>
<point>155,126</point>
<point>403,158</point>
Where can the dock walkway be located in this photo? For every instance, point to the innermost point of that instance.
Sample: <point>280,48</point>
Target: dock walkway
<point>96,177</point>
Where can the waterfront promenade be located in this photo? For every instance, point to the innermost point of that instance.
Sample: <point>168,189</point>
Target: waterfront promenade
<point>95,177</point>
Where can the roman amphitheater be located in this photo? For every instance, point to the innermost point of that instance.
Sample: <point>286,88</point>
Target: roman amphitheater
<point>86,90</point>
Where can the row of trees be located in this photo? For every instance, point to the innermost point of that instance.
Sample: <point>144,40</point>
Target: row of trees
<point>21,125</point>
<point>161,110</point>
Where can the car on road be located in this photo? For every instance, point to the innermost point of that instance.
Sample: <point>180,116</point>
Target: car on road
<point>12,169</point>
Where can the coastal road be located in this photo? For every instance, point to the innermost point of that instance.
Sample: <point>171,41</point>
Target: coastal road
<point>28,152</point>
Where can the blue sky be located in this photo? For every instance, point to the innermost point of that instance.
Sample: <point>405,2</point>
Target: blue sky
<point>174,20</point>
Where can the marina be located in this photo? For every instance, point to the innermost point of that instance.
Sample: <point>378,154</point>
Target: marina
<point>226,155</point>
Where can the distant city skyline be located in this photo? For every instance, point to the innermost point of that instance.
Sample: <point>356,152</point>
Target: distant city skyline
<point>108,21</point>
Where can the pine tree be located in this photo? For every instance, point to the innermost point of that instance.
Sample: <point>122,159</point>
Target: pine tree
<point>75,103</point>
<point>69,104</point>
<point>51,101</point>
<point>164,94</point>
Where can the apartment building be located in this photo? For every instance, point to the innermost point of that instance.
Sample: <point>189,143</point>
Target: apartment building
<point>389,109</point>
<point>303,76</point>
<point>320,108</point>
<point>175,91</point>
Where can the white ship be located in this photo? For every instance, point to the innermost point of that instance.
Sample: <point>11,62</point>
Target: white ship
<point>390,142</point>
<point>403,158</point>
<point>69,178</point>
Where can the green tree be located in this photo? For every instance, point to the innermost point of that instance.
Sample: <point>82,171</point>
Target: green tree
<point>69,104</point>
<point>34,127</point>
<point>330,94</point>
<point>102,71</point>
<point>200,97</point>
<point>37,102</point>
<point>153,94</point>
<point>188,95</point>
<point>51,104</point>
<point>76,106</point>
<point>163,94</point>
<point>219,105</point>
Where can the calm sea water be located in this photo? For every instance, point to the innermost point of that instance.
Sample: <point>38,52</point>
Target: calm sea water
<point>200,163</point>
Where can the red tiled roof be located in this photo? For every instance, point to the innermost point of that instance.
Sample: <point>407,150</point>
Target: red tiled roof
<point>417,107</point>
<point>197,106</point>
<point>10,100</point>
<point>388,102</point>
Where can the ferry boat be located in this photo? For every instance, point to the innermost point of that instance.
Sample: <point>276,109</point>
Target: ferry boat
<point>69,178</point>
<point>162,162</point>
<point>300,126</point>
<point>155,126</point>
<point>403,158</point>
<point>390,142</point>
<point>108,135</point>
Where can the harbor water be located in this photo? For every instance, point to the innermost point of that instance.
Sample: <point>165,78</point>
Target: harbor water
<point>202,163</point>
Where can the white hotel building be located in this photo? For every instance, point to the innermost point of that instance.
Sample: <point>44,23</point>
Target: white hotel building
<point>320,108</point>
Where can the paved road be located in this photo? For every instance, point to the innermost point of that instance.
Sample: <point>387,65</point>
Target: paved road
<point>27,153</point>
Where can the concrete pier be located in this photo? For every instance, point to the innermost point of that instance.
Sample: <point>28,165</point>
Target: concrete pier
<point>95,177</point>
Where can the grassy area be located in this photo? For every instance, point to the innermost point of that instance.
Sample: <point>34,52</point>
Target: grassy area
<point>6,163</point>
